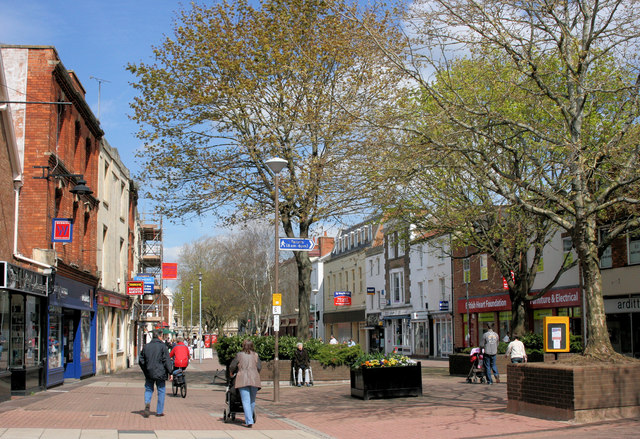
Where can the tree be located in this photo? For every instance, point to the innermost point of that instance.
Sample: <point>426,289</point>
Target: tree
<point>237,86</point>
<point>575,64</point>
<point>418,185</point>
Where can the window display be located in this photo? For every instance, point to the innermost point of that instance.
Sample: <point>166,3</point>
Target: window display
<point>85,329</point>
<point>16,344</point>
<point>55,338</point>
<point>32,328</point>
<point>4,329</point>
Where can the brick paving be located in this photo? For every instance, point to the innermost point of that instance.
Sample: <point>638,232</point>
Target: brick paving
<point>110,406</point>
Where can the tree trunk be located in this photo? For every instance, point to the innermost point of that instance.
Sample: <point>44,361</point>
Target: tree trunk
<point>304,293</point>
<point>598,342</point>
<point>518,314</point>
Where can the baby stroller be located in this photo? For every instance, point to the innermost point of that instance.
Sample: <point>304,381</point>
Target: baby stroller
<point>477,369</point>
<point>233,403</point>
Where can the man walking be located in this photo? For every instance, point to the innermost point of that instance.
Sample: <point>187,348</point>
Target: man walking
<point>156,365</point>
<point>490,342</point>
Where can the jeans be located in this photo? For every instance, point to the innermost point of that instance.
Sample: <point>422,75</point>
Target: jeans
<point>248,397</point>
<point>517,360</point>
<point>489,366</point>
<point>148,393</point>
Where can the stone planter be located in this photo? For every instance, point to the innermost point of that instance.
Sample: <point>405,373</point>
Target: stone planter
<point>570,392</point>
<point>386,382</point>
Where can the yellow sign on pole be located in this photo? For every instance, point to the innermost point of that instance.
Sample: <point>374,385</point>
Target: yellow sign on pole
<point>277,299</point>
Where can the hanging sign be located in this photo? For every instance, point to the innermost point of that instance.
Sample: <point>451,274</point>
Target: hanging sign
<point>169,270</point>
<point>61,230</point>
<point>135,287</point>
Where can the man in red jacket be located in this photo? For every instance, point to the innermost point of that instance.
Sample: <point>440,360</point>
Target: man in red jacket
<point>180,355</point>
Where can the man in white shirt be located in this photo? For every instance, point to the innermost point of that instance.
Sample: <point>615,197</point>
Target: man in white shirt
<point>516,351</point>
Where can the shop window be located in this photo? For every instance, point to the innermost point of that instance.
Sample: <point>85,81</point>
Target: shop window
<point>85,334</point>
<point>32,331</point>
<point>4,329</point>
<point>505,324</point>
<point>119,332</point>
<point>55,337</point>
<point>103,331</point>
<point>484,270</point>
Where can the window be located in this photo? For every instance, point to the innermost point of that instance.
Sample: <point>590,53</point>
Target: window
<point>400,248</point>
<point>421,292</point>
<point>605,260</point>
<point>32,331</point>
<point>4,329</point>
<point>466,271</point>
<point>484,270</point>
<point>123,201</point>
<point>103,331</point>
<point>105,180</point>
<point>443,288</point>
<point>567,245</point>
<point>392,242</point>
<point>119,331</point>
<point>421,255</point>
<point>378,266</point>
<point>634,247</point>
<point>55,337</point>
<point>370,267</point>
<point>397,287</point>
<point>85,334</point>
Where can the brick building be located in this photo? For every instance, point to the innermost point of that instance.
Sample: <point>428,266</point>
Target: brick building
<point>58,138</point>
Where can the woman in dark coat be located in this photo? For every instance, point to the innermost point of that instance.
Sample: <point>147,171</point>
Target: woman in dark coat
<point>246,368</point>
<point>300,363</point>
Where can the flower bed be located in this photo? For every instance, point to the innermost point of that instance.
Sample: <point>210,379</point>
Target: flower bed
<point>385,376</point>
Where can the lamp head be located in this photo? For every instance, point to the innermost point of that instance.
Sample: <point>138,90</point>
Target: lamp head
<point>276,164</point>
<point>81,188</point>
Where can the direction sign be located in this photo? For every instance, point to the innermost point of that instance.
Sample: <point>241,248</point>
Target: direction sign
<point>296,244</point>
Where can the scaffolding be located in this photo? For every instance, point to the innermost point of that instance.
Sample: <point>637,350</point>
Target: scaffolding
<point>150,252</point>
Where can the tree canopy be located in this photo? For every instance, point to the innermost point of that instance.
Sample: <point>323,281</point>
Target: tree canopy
<point>237,85</point>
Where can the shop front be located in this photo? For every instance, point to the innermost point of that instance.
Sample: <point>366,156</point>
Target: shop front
<point>375,333</point>
<point>398,331</point>
<point>345,325</point>
<point>623,322</point>
<point>496,309</point>
<point>420,331</point>
<point>112,324</point>
<point>23,298</point>
<point>72,328</point>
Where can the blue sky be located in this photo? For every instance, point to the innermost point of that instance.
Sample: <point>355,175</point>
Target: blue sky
<point>98,38</point>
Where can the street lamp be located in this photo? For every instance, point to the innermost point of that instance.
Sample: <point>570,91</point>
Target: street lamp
<point>191,312</point>
<point>276,165</point>
<point>182,313</point>
<point>200,320</point>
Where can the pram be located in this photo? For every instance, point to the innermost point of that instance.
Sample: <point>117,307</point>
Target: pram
<point>294,379</point>
<point>233,403</point>
<point>477,368</point>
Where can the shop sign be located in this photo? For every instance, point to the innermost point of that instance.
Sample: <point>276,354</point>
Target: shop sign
<point>558,299</point>
<point>624,305</point>
<point>342,298</point>
<point>371,291</point>
<point>18,278</point>
<point>444,305</point>
<point>485,304</point>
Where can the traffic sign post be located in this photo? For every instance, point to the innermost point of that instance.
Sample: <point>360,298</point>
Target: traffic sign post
<point>296,244</point>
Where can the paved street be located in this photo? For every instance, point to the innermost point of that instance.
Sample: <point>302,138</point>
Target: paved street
<point>111,406</point>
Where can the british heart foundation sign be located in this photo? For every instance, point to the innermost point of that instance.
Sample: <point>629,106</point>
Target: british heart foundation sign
<point>61,230</point>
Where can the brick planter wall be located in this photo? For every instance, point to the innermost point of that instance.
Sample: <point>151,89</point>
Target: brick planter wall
<point>580,393</point>
<point>320,372</point>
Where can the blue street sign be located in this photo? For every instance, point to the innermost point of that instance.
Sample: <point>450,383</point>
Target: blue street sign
<point>296,244</point>
<point>149,282</point>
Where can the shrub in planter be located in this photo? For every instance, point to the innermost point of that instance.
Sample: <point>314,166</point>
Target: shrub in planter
<point>385,376</point>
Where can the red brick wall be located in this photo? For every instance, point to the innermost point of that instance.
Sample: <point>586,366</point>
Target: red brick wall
<point>572,392</point>
<point>65,150</point>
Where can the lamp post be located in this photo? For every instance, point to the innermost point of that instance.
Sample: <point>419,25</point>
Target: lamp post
<point>276,165</point>
<point>191,312</point>
<point>200,320</point>
<point>315,313</point>
<point>182,313</point>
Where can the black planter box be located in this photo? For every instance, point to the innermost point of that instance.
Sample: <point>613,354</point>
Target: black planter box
<point>386,382</point>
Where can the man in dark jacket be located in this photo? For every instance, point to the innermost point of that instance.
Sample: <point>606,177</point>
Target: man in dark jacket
<point>156,365</point>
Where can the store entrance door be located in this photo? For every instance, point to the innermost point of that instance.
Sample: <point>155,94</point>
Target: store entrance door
<point>69,329</point>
